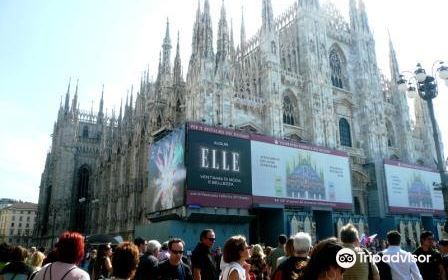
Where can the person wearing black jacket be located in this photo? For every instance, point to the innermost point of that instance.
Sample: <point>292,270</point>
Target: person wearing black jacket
<point>147,267</point>
<point>173,268</point>
<point>433,269</point>
<point>203,263</point>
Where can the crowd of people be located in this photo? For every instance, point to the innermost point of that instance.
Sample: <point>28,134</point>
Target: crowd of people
<point>294,258</point>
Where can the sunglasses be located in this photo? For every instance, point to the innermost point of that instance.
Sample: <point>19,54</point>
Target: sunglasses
<point>211,239</point>
<point>177,252</point>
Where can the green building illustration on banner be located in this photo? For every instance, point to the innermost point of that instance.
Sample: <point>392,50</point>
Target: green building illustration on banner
<point>304,179</point>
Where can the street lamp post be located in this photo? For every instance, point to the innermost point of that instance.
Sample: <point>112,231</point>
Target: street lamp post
<point>426,87</point>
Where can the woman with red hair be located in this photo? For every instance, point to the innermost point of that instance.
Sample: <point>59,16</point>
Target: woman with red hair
<point>69,251</point>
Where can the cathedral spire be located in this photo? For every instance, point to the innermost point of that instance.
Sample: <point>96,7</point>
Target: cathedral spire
<point>393,63</point>
<point>223,37</point>
<point>242,32</point>
<point>207,32</point>
<point>177,71</point>
<point>196,31</point>
<point>67,97</point>
<point>159,72</point>
<point>363,16</point>
<point>167,50</point>
<point>232,43</point>
<point>353,15</point>
<point>267,16</point>
<point>120,115</point>
<point>102,100</point>
<point>100,111</point>
<point>75,98</point>
<point>131,100</point>
<point>309,4</point>
<point>206,7</point>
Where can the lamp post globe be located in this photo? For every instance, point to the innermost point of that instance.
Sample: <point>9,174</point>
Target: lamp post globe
<point>420,73</point>
<point>402,84</point>
<point>443,73</point>
<point>412,92</point>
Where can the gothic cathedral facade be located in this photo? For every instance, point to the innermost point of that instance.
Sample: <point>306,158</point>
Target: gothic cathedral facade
<point>307,75</point>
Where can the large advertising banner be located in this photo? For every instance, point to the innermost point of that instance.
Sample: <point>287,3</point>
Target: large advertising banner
<point>167,171</point>
<point>218,167</point>
<point>298,174</point>
<point>410,188</point>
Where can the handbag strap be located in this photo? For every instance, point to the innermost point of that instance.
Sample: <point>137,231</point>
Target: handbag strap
<point>45,272</point>
<point>70,270</point>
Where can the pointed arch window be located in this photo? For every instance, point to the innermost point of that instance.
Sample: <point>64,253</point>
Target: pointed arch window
<point>85,132</point>
<point>390,134</point>
<point>289,62</point>
<point>344,133</point>
<point>336,68</point>
<point>159,121</point>
<point>288,111</point>
<point>357,205</point>
<point>294,57</point>
<point>273,47</point>
<point>178,106</point>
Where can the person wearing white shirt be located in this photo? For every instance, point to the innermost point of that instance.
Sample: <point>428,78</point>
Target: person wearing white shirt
<point>402,267</point>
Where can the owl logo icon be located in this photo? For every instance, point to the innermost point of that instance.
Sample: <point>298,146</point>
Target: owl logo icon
<point>346,258</point>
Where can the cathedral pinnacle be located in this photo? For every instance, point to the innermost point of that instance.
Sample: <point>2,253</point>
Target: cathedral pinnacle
<point>363,16</point>
<point>177,71</point>
<point>196,31</point>
<point>267,16</point>
<point>206,7</point>
<point>75,98</point>
<point>100,111</point>
<point>393,63</point>
<point>67,97</point>
<point>223,37</point>
<point>232,42</point>
<point>166,67</point>
<point>167,40</point>
<point>207,32</point>
<point>243,31</point>
<point>120,115</point>
<point>131,100</point>
<point>353,15</point>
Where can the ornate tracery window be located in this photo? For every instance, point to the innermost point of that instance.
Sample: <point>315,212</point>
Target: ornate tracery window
<point>178,106</point>
<point>390,134</point>
<point>85,132</point>
<point>159,121</point>
<point>288,111</point>
<point>336,69</point>
<point>344,133</point>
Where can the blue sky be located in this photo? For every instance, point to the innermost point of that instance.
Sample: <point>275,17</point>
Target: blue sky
<point>45,42</point>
